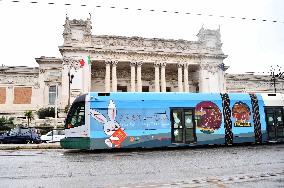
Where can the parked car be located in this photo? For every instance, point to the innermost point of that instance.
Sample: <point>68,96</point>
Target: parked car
<point>20,135</point>
<point>53,136</point>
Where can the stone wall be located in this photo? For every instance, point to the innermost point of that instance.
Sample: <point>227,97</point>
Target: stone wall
<point>250,83</point>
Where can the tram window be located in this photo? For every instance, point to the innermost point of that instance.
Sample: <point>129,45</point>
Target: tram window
<point>189,135</point>
<point>271,132</point>
<point>177,119</point>
<point>279,117</point>
<point>188,119</point>
<point>76,116</point>
<point>270,118</point>
<point>177,126</point>
<point>280,132</point>
<point>178,134</point>
<point>270,110</point>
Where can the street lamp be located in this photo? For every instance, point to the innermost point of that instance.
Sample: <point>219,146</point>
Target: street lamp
<point>70,63</point>
<point>70,78</point>
<point>55,110</point>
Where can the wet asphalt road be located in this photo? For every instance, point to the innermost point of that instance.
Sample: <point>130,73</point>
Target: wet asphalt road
<point>242,166</point>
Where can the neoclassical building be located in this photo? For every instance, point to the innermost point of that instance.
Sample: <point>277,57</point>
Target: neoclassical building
<point>135,64</point>
<point>122,64</point>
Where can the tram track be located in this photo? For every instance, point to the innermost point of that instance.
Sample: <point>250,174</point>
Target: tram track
<point>215,181</point>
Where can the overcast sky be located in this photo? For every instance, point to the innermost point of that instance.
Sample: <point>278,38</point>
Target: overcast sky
<point>31,30</point>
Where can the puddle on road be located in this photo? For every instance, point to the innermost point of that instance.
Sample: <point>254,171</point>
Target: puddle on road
<point>123,155</point>
<point>19,155</point>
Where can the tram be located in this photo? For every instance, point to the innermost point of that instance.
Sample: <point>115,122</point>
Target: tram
<point>152,120</point>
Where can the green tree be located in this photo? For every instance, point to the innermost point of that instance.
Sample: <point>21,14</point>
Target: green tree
<point>29,115</point>
<point>6,123</point>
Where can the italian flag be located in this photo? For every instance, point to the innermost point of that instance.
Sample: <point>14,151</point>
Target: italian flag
<point>85,61</point>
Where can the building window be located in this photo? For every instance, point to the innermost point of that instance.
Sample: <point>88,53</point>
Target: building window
<point>121,88</point>
<point>2,95</point>
<point>197,89</point>
<point>145,88</point>
<point>22,95</point>
<point>52,95</point>
<point>168,89</point>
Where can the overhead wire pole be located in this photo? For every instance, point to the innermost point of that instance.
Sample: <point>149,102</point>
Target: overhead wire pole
<point>276,74</point>
<point>274,81</point>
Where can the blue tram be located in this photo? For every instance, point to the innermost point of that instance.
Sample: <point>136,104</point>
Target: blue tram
<point>152,120</point>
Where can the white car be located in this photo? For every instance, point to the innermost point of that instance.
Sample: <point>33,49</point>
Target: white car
<point>53,136</point>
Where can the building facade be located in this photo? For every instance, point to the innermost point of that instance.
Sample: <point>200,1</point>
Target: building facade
<point>135,64</point>
<point>122,64</point>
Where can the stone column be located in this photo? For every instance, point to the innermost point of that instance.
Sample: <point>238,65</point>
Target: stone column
<point>157,76</point>
<point>185,79</point>
<point>132,66</point>
<point>9,96</point>
<point>89,80</point>
<point>41,77</point>
<point>163,77</point>
<point>221,77</point>
<point>139,81</point>
<point>201,81</point>
<point>114,77</point>
<point>203,87</point>
<point>213,79</point>
<point>180,77</point>
<point>65,86</point>
<point>86,78</point>
<point>107,77</point>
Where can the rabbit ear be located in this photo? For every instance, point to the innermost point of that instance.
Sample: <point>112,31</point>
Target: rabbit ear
<point>98,116</point>
<point>111,110</point>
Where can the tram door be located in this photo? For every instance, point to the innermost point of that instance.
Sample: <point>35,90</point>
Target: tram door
<point>183,125</point>
<point>275,125</point>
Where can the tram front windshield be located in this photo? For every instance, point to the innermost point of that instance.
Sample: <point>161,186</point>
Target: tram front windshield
<point>76,115</point>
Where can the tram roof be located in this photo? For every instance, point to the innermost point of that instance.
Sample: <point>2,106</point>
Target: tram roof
<point>166,96</point>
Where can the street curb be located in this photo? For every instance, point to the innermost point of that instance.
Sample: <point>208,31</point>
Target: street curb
<point>30,146</point>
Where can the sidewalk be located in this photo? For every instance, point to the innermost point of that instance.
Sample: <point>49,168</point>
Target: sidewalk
<point>30,146</point>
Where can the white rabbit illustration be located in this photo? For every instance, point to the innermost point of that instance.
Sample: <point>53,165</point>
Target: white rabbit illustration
<point>109,126</point>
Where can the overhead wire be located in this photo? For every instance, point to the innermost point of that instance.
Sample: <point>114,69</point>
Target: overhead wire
<point>153,10</point>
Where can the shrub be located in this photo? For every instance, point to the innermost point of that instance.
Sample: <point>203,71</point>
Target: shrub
<point>66,109</point>
<point>46,112</point>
